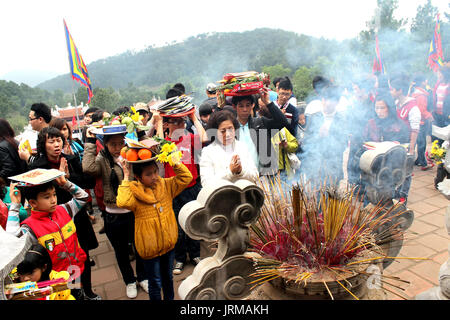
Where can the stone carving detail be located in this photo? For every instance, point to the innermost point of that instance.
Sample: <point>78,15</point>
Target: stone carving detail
<point>443,291</point>
<point>222,212</point>
<point>383,170</point>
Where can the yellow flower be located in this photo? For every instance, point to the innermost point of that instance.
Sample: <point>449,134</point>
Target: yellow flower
<point>133,109</point>
<point>169,147</point>
<point>163,157</point>
<point>135,117</point>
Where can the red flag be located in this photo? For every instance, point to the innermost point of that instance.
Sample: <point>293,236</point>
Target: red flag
<point>377,63</point>
<point>436,55</point>
<point>74,122</point>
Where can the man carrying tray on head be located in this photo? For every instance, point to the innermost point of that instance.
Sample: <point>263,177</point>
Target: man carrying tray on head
<point>256,132</point>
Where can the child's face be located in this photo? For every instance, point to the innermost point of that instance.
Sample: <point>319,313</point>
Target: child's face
<point>35,276</point>
<point>45,201</point>
<point>302,119</point>
<point>150,176</point>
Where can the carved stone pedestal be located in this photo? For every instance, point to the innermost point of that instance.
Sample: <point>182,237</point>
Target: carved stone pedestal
<point>222,212</point>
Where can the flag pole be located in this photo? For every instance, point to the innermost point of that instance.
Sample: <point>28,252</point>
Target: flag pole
<point>73,91</point>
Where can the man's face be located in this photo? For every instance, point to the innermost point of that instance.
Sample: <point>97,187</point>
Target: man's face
<point>283,96</point>
<point>45,201</point>
<point>35,122</point>
<point>244,109</point>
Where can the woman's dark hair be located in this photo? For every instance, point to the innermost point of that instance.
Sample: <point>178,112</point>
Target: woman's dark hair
<point>121,109</point>
<point>46,133</point>
<point>91,110</point>
<point>7,133</point>
<point>97,115</point>
<point>217,118</point>
<point>220,116</point>
<point>390,103</point>
<point>138,168</point>
<point>36,257</point>
<point>59,124</point>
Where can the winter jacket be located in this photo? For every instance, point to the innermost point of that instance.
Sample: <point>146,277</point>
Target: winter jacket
<point>98,166</point>
<point>86,234</point>
<point>292,146</point>
<point>156,229</point>
<point>267,155</point>
<point>55,230</point>
<point>57,233</point>
<point>10,163</point>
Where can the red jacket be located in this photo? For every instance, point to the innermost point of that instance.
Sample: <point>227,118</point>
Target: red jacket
<point>57,233</point>
<point>421,96</point>
<point>403,111</point>
<point>187,144</point>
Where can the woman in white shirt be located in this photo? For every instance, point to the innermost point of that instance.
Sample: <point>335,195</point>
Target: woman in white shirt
<point>226,157</point>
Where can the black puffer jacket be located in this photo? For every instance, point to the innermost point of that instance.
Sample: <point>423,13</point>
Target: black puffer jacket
<point>10,163</point>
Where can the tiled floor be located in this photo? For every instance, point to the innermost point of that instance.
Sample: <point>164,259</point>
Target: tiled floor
<point>426,238</point>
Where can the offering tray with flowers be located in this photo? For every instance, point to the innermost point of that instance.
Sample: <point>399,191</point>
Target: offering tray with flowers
<point>243,83</point>
<point>125,122</point>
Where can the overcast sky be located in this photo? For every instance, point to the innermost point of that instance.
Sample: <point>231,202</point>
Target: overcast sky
<point>32,34</point>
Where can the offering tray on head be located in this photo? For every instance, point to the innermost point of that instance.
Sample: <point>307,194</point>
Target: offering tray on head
<point>175,107</point>
<point>37,176</point>
<point>243,83</point>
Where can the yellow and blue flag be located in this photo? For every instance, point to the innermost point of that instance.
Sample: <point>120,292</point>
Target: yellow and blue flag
<point>436,55</point>
<point>77,66</point>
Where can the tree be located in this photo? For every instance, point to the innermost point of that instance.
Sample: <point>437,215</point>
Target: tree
<point>82,95</point>
<point>423,23</point>
<point>277,71</point>
<point>302,82</point>
<point>105,99</point>
<point>383,20</point>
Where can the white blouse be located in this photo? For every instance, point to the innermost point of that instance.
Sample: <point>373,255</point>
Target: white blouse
<point>215,162</point>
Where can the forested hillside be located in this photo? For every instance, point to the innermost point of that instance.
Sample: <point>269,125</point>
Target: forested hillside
<point>139,76</point>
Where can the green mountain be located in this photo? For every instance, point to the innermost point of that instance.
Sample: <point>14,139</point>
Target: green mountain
<point>202,59</point>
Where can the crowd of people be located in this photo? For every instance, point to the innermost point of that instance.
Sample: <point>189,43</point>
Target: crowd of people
<point>239,137</point>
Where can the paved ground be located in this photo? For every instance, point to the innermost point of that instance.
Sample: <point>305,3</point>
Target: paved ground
<point>427,238</point>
